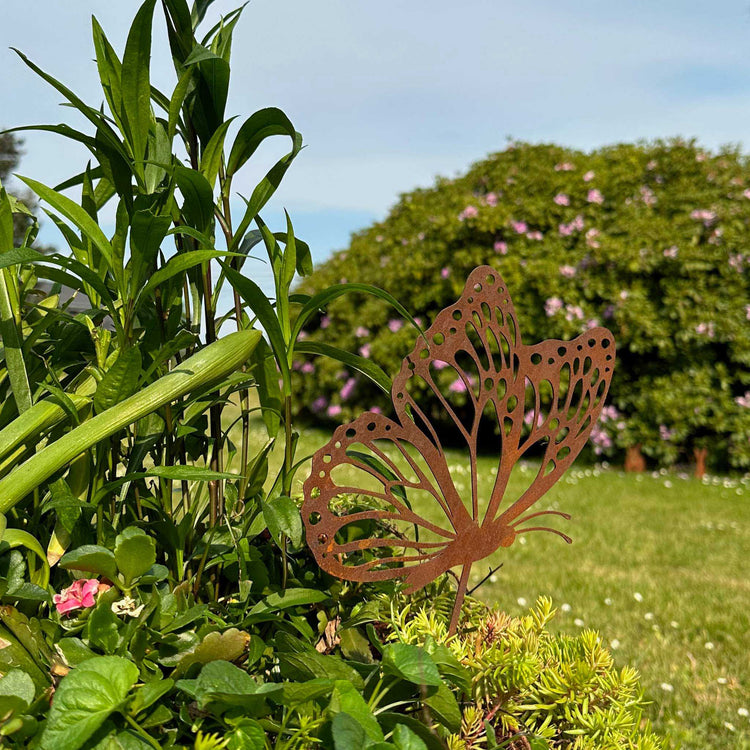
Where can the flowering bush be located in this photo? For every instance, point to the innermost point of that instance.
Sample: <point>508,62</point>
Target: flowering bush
<point>650,240</point>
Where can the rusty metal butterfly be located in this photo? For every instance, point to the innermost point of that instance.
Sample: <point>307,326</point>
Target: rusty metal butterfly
<point>499,396</point>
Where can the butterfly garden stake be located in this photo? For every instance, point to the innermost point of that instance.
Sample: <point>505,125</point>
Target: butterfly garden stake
<point>498,396</point>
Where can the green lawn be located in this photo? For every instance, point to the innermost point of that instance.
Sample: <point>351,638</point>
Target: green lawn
<point>659,566</point>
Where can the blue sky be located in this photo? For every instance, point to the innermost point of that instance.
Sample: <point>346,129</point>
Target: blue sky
<point>390,94</point>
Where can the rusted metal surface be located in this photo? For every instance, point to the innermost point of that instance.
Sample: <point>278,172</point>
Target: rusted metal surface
<point>500,396</point>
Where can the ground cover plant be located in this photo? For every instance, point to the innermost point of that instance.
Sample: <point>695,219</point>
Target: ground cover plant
<point>156,589</point>
<point>649,240</point>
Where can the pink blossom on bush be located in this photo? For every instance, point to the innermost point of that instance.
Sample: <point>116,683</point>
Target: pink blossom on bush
<point>715,238</point>
<point>601,440</point>
<point>651,166</point>
<point>577,223</point>
<point>746,193</point>
<point>376,410</point>
<point>457,386</point>
<point>439,364</point>
<point>592,323</point>
<point>706,329</point>
<point>743,401</point>
<point>747,311</point>
<point>647,195</point>
<point>528,418</point>
<point>79,595</point>
<point>519,226</point>
<point>565,166</point>
<point>565,230</point>
<point>490,199</point>
<point>364,351</point>
<point>567,271</point>
<point>665,433</point>
<point>671,252</point>
<point>468,213</point>
<point>361,332</point>
<point>325,321</point>
<point>333,410</point>
<point>307,367</point>
<point>501,247</point>
<point>395,325</point>
<point>573,312</point>
<point>736,262</point>
<point>552,306</point>
<point>445,273</point>
<point>561,199</point>
<point>609,413</point>
<point>319,404</point>
<point>591,240</point>
<point>589,176</point>
<point>535,235</point>
<point>595,196</point>
<point>348,389</point>
<point>704,215</point>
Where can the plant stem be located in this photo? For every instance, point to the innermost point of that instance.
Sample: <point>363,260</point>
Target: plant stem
<point>460,594</point>
<point>142,732</point>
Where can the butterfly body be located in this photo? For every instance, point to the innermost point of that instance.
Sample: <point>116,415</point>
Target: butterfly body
<point>510,396</point>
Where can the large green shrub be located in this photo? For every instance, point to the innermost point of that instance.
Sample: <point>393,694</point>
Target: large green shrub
<point>650,240</point>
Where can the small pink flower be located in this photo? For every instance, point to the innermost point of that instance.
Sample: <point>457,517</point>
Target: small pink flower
<point>348,389</point>
<point>565,166</point>
<point>361,332</point>
<point>609,412</point>
<point>519,226</point>
<point>568,271</point>
<point>552,306</point>
<point>364,351</point>
<point>457,386</point>
<point>573,312</point>
<point>647,195</point>
<point>561,199</point>
<point>651,166</point>
<point>334,410</point>
<point>577,223</point>
<point>379,238</point>
<point>588,176</point>
<point>591,240</point>
<point>469,212</point>
<point>565,230</point>
<point>376,410</point>
<point>671,252</point>
<point>445,273</point>
<point>528,418</point>
<point>307,368</point>
<point>592,323</point>
<point>665,433</point>
<point>319,404</point>
<point>747,311</point>
<point>624,294</point>
<point>704,215</point>
<point>79,595</point>
<point>595,196</point>
<point>743,401</point>
<point>325,321</point>
<point>746,193</point>
<point>439,364</point>
<point>535,235</point>
<point>394,325</point>
<point>501,247</point>
<point>490,199</point>
<point>706,329</point>
<point>736,262</point>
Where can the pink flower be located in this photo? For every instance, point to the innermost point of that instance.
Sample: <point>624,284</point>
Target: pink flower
<point>552,306</point>
<point>609,412</point>
<point>501,247</point>
<point>361,332</point>
<point>78,595</point>
<point>591,240</point>
<point>736,261</point>
<point>490,199</point>
<point>565,166</point>
<point>573,312</point>
<point>325,321</point>
<point>706,329</point>
<point>308,367</point>
<point>457,386</point>
<point>535,235</point>
<point>592,323</point>
<point>468,213</point>
<point>376,410</point>
<point>747,311</point>
<point>394,325</point>
<point>528,418</point>
<point>364,351</point>
<point>743,401</point>
<point>746,193</point>
<point>665,433</point>
<point>588,176</point>
<point>519,226</point>
<point>647,195</point>
<point>624,294</point>
<point>561,199</point>
<point>568,271</point>
<point>594,196</point>
<point>565,230</point>
<point>577,223</point>
<point>439,364</point>
<point>348,389</point>
<point>319,404</point>
<point>651,165</point>
<point>671,252</point>
<point>704,215</point>
<point>445,273</point>
<point>334,410</point>
<point>379,238</point>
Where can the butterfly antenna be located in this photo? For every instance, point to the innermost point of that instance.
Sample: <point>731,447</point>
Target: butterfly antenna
<point>566,516</point>
<point>546,528</point>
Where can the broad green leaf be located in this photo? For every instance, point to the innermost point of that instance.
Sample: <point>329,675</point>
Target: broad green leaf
<point>269,393</point>
<point>149,693</point>
<point>73,212</point>
<point>311,665</point>
<point>227,646</point>
<point>390,720</point>
<point>136,86</point>
<point>294,693</point>
<point>120,381</point>
<point>198,206</point>
<point>288,598</point>
<point>347,733</point>
<point>283,518</point>
<point>247,734</point>
<point>260,125</point>
<point>209,365</point>
<point>91,558</point>
<point>444,706</point>
<point>347,699</point>
<point>85,698</point>
<point>19,255</point>
<point>405,739</point>
<point>411,663</point>
<point>289,265</point>
<point>13,655</point>
<point>18,684</point>
<point>20,538</point>
<point>365,366</point>
<point>147,232</point>
<point>213,153</point>
<point>176,102</point>
<point>103,628</point>
<point>135,553</point>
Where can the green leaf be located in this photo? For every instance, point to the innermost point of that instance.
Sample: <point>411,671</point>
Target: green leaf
<point>135,553</point>
<point>188,473</point>
<point>269,393</point>
<point>260,125</point>
<point>91,558</point>
<point>347,733</point>
<point>20,538</point>
<point>295,693</point>
<point>282,517</point>
<point>366,366</point>
<point>149,693</point>
<point>288,598</point>
<point>136,86</point>
<point>198,207</point>
<point>73,212</point>
<point>405,739</point>
<point>411,663</point>
<point>389,721</point>
<point>18,684</point>
<point>103,628</point>
<point>85,698</point>
<point>120,381</point>
<point>347,699</point>
<point>444,706</point>
<point>213,153</point>
<point>246,735</point>
<point>227,646</point>
<point>311,665</point>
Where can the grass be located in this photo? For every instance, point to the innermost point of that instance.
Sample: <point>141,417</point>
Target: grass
<point>659,566</point>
